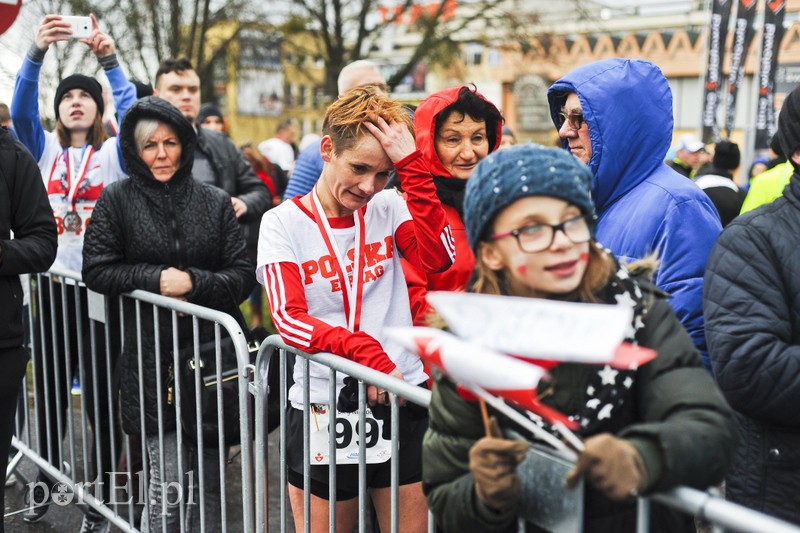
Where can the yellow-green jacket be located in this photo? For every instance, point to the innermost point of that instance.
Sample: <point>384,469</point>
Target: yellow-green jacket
<point>767,186</point>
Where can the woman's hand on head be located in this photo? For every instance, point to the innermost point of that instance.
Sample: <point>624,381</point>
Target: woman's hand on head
<point>175,282</point>
<point>101,44</point>
<point>395,137</point>
<point>52,29</point>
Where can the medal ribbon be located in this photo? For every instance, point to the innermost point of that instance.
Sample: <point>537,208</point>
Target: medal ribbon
<point>74,185</point>
<point>352,293</point>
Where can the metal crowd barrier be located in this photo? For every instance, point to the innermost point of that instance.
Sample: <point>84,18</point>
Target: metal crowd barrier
<point>395,388</point>
<point>76,331</point>
<point>545,468</point>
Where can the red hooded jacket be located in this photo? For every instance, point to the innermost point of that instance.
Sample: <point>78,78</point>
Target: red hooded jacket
<point>457,276</point>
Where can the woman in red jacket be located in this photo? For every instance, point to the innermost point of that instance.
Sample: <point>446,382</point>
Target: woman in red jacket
<point>455,129</point>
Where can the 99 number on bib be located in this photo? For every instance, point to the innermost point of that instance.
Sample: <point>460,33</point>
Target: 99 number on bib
<point>347,436</point>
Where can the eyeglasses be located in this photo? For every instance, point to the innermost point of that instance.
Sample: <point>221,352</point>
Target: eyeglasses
<point>539,237</point>
<point>574,120</point>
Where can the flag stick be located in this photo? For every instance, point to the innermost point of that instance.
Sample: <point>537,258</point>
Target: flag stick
<point>522,420</point>
<point>485,416</point>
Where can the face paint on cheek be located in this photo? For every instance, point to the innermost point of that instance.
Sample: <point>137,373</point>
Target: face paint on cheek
<point>584,256</point>
<point>522,270</point>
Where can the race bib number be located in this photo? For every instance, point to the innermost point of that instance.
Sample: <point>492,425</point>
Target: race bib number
<point>348,434</point>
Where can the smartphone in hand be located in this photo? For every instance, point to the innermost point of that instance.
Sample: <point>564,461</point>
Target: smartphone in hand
<point>81,26</point>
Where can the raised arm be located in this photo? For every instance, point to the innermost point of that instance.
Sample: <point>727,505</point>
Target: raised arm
<point>432,247</point>
<point>25,102</point>
<point>103,47</point>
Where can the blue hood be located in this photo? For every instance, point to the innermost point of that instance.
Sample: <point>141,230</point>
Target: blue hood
<point>627,104</point>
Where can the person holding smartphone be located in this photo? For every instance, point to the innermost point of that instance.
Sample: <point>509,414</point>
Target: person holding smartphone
<point>77,161</point>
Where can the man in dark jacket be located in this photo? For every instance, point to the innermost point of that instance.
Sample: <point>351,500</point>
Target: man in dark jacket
<point>25,210</point>
<point>717,182</point>
<point>752,311</point>
<point>216,159</point>
<point>617,119</point>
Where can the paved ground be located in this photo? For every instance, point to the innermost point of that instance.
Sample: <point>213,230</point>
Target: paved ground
<point>68,518</point>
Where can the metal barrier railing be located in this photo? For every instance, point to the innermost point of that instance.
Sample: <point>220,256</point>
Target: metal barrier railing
<point>76,331</point>
<point>364,375</point>
<point>703,505</point>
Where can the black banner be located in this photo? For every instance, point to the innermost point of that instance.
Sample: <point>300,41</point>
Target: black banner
<point>768,64</point>
<point>742,38</point>
<point>718,30</point>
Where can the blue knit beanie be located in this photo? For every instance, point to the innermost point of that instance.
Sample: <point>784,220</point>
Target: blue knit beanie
<point>527,170</point>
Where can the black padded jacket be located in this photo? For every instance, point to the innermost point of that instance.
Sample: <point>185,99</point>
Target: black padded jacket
<point>140,227</point>
<point>25,210</point>
<point>751,302</point>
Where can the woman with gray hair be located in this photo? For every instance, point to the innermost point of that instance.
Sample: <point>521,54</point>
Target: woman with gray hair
<point>163,232</point>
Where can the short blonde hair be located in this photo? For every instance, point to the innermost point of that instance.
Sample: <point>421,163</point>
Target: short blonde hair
<point>345,117</point>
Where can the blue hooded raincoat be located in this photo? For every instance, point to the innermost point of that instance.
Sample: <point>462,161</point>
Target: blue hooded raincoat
<point>643,206</point>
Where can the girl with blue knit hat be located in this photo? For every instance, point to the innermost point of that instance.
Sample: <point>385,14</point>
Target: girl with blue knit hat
<point>530,221</point>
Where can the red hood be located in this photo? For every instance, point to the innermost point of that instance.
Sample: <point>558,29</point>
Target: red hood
<point>425,125</point>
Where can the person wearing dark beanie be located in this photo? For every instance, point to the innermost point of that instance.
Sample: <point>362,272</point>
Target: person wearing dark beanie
<point>211,118</point>
<point>752,312</point>
<point>85,83</point>
<point>77,161</point>
<point>717,181</point>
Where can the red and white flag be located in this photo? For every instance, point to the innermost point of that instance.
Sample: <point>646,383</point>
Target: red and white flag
<point>544,332</point>
<point>470,365</point>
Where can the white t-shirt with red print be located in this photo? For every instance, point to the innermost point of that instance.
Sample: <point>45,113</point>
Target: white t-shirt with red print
<point>304,290</point>
<point>74,178</point>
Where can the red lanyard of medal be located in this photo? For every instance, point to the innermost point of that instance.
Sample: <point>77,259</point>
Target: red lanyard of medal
<point>74,185</point>
<point>351,292</point>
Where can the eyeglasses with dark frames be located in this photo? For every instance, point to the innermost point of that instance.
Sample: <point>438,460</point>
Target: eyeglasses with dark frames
<point>539,237</point>
<point>574,120</point>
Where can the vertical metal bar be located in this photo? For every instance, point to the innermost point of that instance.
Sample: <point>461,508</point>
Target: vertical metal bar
<point>260,393</point>
<point>176,397</point>
<point>147,460</point>
<point>109,414</point>
<point>642,515</point>
<point>98,433</point>
<point>160,417</point>
<point>221,426</point>
<point>306,448</point>
<point>47,359</point>
<point>69,376</point>
<point>131,501</point>
<point>244,378</point>
<point>332,450</point>
<point>282,429</point>
<point>362,452</point>
<point>56,382</point>
<point>395,465</point>
<point>34,296</point>
<point>198,413</point>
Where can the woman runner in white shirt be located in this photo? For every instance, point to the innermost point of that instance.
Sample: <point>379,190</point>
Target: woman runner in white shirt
<point>349,223</point>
